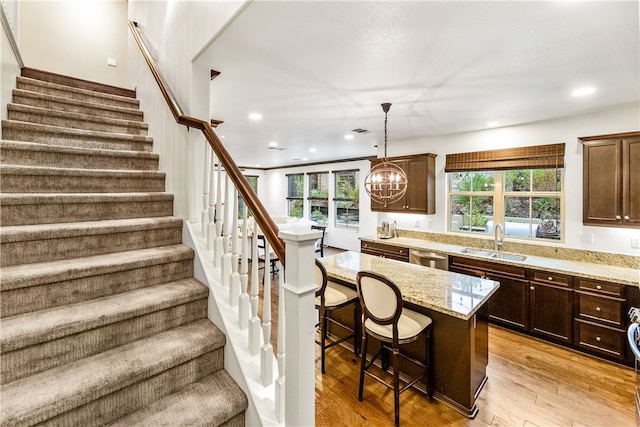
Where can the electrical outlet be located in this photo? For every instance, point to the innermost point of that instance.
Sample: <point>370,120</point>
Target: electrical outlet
<point>635,242</point>
<point>429,224</point>
<point>417,223</point>
<point>111,62</point>
<point>586,238</point>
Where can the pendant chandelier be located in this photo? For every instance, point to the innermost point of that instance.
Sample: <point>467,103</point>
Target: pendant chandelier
<point>386,182</point>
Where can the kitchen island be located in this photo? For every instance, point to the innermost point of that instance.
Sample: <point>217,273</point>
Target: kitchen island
<point>457,305</point>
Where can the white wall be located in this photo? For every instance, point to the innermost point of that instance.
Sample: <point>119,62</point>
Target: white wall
<point>566,130</point>
<point>275,193</point>
<point>9,64</point>
<point>75,38</point>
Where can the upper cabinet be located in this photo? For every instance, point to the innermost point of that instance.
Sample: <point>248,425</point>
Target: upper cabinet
<point>420,197</point>
<point>611,180</point>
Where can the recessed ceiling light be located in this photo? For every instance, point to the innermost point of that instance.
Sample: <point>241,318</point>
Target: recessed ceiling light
<point>273,144</point>
<point>255,116</point>
<point>312,149</point>
<point>348,136</point>
<point>257,165</point>
<point>583,91</point>
<point>304,159</point>
<point>493,124</point>
<point>222,136</point>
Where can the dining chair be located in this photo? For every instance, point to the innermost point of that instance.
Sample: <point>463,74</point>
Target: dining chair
<point>385,319</point>
<point>273,258</point>
<point>320,242</point>
<point>332,296</point>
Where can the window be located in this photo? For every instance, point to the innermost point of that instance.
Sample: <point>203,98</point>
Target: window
<point>253,183</point>
<point>527,201</point>
<point>295,193</point>
<point>319,197</point>
<point>347,198</point>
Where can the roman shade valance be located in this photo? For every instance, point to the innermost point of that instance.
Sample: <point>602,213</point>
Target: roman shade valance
<point>535,157</point>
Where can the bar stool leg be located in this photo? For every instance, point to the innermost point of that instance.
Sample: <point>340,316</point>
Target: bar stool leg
<point>323,338</point>
<point>363,362</point>
<point>356,328</point>
<point>396,387</point>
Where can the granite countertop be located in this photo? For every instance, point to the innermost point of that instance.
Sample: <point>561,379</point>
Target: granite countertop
<point>604,272</point>
<point>454,294</point>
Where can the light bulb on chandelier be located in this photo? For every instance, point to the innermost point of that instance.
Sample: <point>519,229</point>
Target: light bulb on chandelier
<point>386,182</point>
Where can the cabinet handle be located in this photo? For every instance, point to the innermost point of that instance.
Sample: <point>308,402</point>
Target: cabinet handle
<point>532,288</point>
<point>626,217</point>
<point>598,309</point>
<point>550,278</point>
<point>598,287</point>
<point>598,339</point>
<point>618,217</point>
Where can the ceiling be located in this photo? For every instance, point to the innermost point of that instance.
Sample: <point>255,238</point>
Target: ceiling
<point>318,70</point>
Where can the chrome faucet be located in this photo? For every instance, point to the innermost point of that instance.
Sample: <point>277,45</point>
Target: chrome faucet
<point>498,237</point>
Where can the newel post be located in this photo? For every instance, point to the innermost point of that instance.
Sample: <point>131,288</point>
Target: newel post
<point>299,292</point>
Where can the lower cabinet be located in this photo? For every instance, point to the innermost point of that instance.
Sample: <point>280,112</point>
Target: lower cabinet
<point>600,317</point>
<point>398,253</point>
<point>551,305</point>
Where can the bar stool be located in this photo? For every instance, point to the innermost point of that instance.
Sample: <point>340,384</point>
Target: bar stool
<point>384,319</point>
<point>331,296</point>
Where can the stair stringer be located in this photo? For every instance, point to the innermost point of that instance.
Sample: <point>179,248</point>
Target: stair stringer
<point>243,368</point>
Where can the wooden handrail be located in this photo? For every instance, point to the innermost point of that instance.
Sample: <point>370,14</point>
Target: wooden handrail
<point>260,214</point>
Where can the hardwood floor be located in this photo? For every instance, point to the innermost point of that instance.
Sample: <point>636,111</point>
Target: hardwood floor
<point>530,383</point>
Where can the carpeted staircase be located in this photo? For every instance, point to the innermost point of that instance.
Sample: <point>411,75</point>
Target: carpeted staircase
<point>101,319</point>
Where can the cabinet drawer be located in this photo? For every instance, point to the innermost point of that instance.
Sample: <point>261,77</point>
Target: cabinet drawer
<point>605,288</point>
<point>601,339</point>
<point>388,251</point>
<point>600,308</point>
<point>489,267</point>
<point>551,278</point>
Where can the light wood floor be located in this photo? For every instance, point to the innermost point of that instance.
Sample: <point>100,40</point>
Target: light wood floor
<point>530,383</point>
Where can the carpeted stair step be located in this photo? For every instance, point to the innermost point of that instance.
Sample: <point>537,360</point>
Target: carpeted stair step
<point>49,208</point>
<point>33,287</point>
<point>200,404</point>
<point>109,385</point>
<point>27,113</point>
<point>69,92</point>
<point>41,340</point>
<point>25,244</point>
<point>31,179</point>
<point>21,153</point>
<point>54,135</point>
<point>51,102</point>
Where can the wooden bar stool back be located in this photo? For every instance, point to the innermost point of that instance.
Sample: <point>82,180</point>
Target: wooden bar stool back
<point>332,296</point>
<point>385,319</point>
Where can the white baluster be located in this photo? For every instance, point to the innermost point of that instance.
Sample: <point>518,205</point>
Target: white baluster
<point>211,226</point>
<point>254,321</point>
<point>225,272</point>
<point>266,351</point>
<point>217,248</point>
<point>243,302</point>
<point>205,193</point>
<point>280,381</point>
<point>234,288</point>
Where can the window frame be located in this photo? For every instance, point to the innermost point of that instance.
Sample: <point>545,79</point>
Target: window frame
<point>311,199</point>
<point>291,197</point>
<point>340,200</point>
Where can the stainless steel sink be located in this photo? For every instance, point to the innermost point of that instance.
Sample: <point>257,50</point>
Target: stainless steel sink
<point>476,252</point>
<point>509,257</point>
<point>493,254</point>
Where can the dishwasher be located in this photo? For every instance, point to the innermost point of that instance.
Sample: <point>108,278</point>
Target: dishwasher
<point>429,259</point>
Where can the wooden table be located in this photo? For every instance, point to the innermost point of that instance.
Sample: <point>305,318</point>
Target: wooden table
<point>457,305</point>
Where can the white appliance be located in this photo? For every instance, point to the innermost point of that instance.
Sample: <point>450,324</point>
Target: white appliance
<point>633,336</point>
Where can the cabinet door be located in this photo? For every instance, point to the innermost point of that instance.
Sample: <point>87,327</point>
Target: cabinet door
<point>510,304</point>
<point>602,184</point>
<point>631,181</point>
<point>420,197</point>
<point>551,308</point>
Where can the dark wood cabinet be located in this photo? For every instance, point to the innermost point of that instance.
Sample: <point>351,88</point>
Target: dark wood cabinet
<point>551,305</point>
<point>611,180</point>
<point>600,310</point>
<point>509,306</point>
<point>421,177</point>
<point>398,253</point>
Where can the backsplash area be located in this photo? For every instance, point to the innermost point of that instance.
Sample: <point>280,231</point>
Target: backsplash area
<point>626,261</point>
